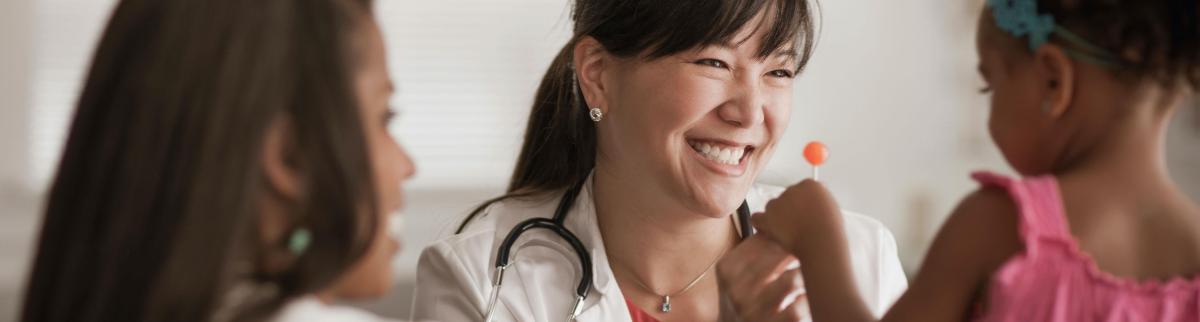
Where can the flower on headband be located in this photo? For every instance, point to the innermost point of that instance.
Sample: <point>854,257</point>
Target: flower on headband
<point>1020,18</point>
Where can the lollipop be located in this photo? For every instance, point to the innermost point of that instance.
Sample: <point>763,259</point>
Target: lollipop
<point>816,153</point>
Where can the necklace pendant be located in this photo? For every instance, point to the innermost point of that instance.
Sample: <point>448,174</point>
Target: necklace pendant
<point>666,304</point>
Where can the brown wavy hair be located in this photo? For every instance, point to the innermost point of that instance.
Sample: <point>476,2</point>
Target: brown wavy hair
<point>153,214</point>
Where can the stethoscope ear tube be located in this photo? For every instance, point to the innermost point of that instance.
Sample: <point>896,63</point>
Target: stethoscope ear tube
<point>585,259</point>
<point>503,257</point>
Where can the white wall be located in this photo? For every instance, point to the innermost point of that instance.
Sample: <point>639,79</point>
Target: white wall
<point>15,41</point>
<point>16,213</point>
<point>891,90</point>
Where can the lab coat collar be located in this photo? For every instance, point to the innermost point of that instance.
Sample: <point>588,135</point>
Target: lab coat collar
<point>582,220</point>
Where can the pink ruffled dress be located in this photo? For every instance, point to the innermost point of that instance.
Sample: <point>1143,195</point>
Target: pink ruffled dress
<point>1053,280</point>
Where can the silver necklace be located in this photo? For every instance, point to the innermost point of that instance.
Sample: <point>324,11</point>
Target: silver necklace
<point>665,307</point>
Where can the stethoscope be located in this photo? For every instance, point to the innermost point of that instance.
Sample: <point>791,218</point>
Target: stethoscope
<point>585,258</point>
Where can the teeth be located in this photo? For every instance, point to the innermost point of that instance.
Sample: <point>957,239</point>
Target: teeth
<point>723,155</point>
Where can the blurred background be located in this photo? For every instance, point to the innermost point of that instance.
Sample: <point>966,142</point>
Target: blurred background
<point>891,89</point>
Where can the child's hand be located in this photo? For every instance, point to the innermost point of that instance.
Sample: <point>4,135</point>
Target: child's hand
<point>805,215</point>
<point>759,282</point>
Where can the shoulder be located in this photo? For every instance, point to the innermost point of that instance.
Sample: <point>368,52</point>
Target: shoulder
<point>495,219</point>
<point>467,255</point>
<point>986,212</point>
<point>983,229</point>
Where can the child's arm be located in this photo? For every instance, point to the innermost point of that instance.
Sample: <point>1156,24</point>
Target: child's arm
<point>977,238</point>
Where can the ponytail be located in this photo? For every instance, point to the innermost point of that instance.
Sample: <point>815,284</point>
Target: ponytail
<point>559,149</point>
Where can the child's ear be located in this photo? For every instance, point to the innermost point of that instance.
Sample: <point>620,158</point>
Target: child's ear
<point>1058,72</point>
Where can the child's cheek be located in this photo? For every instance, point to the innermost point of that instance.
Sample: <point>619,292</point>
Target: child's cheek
<point>1006,128</point>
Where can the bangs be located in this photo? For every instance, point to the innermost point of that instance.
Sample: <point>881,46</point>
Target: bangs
<point>663,28</point>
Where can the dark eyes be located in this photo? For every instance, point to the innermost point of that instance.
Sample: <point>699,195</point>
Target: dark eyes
<point>712,63</point>
<point>781,73</point>
<point>985,90</point>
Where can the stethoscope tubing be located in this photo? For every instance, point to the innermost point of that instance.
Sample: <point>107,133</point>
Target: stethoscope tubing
<point>556,225</point>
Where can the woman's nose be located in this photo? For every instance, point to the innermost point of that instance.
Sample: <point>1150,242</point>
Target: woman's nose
<point>408,168</point>
<point>745,108</point>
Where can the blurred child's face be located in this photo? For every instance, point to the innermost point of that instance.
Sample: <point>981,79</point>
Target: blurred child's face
<point>698,126</point>
<point>1018,122</point>
<point>371,276</point>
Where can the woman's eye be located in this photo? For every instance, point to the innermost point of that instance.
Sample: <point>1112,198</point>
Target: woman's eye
<point>985,90</point>
<point>712,63</point>
<point>782,73</point>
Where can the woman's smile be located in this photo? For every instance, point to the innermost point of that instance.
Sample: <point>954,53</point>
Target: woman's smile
<point>723,157</point>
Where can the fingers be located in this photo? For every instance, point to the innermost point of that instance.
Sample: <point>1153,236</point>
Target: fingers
<point>753,269</point>
<point>751,252</point>
<point>780,292</point>
<point>753,263</point>
<point>728,312</point>
<point>797,311</point>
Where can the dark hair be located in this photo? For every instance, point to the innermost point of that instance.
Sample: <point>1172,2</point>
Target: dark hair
<point>1154,39</point>
<point>559,148</point>
<point>154,212</point>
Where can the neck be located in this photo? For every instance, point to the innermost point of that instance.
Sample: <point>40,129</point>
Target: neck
<point>653,238</point>
<point>1131,152</point>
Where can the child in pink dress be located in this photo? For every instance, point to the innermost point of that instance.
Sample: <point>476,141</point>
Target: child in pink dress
<point>1095,230</point>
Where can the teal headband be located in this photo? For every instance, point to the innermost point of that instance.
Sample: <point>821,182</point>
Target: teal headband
<point>1021,19</point>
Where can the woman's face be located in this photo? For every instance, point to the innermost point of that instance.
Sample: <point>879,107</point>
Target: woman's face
<point>371,276</point>
<point>699,125</point>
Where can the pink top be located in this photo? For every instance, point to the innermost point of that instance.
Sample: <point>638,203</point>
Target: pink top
<point>637,314</point>
<point>1053,280</point>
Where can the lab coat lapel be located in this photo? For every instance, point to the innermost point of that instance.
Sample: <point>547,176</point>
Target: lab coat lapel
<point>605,303</point>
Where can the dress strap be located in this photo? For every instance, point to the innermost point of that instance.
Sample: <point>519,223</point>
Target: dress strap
<point>1039,206</point>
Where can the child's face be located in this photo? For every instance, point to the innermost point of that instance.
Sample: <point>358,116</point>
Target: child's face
<point>1018,122</point>
<point>371,276</point>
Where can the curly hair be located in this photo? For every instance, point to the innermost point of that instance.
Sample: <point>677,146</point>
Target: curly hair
<point>1154,39</point>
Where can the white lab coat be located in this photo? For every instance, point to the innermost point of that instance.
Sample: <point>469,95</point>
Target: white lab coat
<point>454,275</point>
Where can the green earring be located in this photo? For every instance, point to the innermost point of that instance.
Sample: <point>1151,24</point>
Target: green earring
<point>299,241</point>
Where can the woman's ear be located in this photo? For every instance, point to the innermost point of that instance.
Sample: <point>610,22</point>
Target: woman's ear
<point>1058,71</point>
<point>283,185</point>
<point>280,163</point>
<point>591,61</point>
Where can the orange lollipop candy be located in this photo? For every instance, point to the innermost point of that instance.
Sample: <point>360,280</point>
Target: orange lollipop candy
<point>816,153</point>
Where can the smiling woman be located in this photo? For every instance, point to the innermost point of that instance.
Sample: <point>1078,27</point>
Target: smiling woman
<point>659,116</point>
